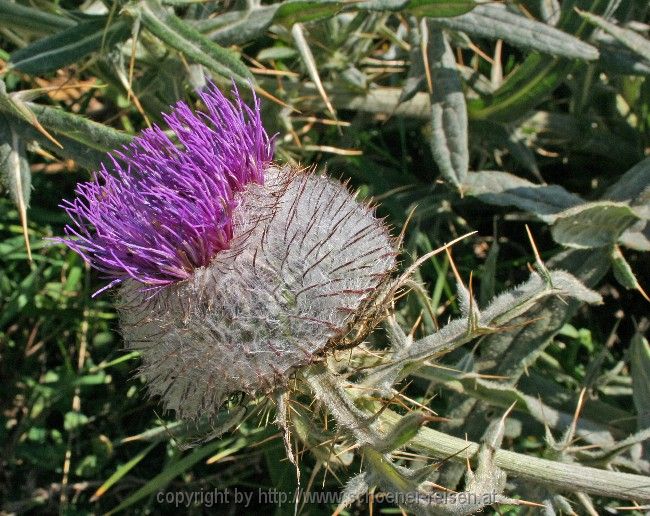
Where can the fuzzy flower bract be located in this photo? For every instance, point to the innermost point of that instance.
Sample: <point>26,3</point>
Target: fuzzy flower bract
<point>164,206</point>
<point>257,269</point>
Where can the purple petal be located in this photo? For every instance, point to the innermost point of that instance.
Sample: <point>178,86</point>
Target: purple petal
<point>164,206</point>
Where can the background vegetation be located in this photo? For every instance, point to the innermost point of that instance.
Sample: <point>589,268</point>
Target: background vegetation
<point>482,119</point>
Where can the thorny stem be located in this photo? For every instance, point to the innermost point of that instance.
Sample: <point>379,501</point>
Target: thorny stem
<point>329,391</point>
<point>370,429</point>
<point>559,475</point>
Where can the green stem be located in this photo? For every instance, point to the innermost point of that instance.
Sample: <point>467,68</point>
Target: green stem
<point>558,475</point>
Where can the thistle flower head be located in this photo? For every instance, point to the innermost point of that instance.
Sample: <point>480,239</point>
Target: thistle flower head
<point>258,269</point>
<point>164,207</point>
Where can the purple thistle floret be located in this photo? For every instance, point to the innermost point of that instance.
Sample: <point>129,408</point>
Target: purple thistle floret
<point>164,206</point>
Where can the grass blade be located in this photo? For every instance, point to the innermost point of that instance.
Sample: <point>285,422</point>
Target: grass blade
<point>120,472</point>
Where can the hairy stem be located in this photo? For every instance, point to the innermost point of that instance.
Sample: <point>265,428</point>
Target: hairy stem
<point>559,475</point>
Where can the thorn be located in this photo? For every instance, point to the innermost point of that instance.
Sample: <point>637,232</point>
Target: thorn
<point>541,267</point>
<point>469,466</point>
<point>457,276</point>
<point>424,33</point>
<point>425,257</point>
<point>409,217</point>
<point>267,95</point>
<point>507,412</point>
<point>576,416</point>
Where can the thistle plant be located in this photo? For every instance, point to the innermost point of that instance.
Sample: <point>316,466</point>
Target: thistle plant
<point>233,272</point>
<point>238,275</point>
<point>254,294</point>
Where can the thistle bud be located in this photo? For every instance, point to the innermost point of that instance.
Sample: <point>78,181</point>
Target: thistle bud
<point>233,272</point>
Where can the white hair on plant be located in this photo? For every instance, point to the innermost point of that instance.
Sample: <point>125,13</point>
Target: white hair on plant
<point>306,261</point>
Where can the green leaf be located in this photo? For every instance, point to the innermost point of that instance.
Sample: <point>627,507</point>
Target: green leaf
<point>159,482</point>
<point>537,77</point>
<point>278,53</point>
<point>92,134</point>
<point>629,38</point>
<point>624,274</point>
<point>237,27</point>
<point>439,8</point>
<point>504,189</point>
<point>37,21</point>
<point>488,274</point>
<point>502,135</point>
<point>616,58</point>
<point>15,174</point>
<point>496,22</point>
<point>639,358</point>
<point>73,420</point>
<point>120,472</point>
<point>637,236</point>
<point>595,224</point>
<point>179,35</point>
<point>448,110</point>
<point>526,87</point>
<point>83,155</point>
<point>405,430</point>
<point>300,11</point>
<point>633,187</point>
<point>432,8</point>
<point>70,45</point>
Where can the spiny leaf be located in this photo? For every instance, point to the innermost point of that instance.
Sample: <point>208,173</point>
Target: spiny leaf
<point>495,22</point>
<point>14,106</point>
<point>16,176</point>
<point>238,27</point>
<point>402,432</point>
<point>503,309</point>
<point>80,153</point>
<point>593,427</point>
<point>76,127</point>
